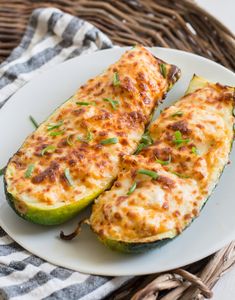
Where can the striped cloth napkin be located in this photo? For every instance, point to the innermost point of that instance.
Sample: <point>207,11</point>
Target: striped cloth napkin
<point>51,37</point>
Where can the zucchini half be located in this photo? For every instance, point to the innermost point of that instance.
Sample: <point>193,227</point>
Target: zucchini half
<point>75,154</point>
<point>161,190</point>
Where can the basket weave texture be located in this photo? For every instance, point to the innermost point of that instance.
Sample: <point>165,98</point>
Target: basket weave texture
<point>178,24</point>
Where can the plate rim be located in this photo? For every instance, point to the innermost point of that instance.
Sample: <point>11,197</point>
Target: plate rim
<point>81,270</point>
<point>118,274</point>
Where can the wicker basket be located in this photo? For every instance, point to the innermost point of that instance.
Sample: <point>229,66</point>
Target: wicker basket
<point>179,24</point>
<point>176,24</point>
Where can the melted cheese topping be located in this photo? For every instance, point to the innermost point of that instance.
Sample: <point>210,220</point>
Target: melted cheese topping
<point>187,173</point>
<point>117,104</point>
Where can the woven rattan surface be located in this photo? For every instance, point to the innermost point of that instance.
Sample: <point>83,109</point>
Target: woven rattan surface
<point>176,24</point>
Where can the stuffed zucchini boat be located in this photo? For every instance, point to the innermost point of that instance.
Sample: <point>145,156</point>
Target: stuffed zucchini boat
<point>162,189</point>
<point>75,154</point>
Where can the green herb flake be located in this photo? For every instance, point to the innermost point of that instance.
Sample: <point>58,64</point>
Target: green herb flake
<point>139,148</point>
<point>82,103</point>
<point>69,141</point>
<point>179,174</point>
<point>132,188</point>
<point>89,137</point>
<point>149,173</point>
<point>49,149</point>
<point>146,140</point>
<point>177,114</point>
<point>178,135</point>
<point>116,80</point>
<point>178,139</point>
<point>80,139</point>
<point>56,133</point>
<point>113,103</point>
<point>2,171</point>
<point>35,123</point>
<point>85,103</point>
<point>53,126</point>
<point>163,70</point>
<point>164,162</point>
<point>109,141</point>
<point>68,176</point>
<point>195,151</point>
<point>29,171</point>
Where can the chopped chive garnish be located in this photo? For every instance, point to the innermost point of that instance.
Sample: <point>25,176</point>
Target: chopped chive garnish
<point>68,176</point>
<point>149,173</point>
<point>146,138</point>
<point>53,126</point>
<point>178,135</point>
<point>178,139</point>
<point>179,142</point>
<point>177,114</point>
<point>163,70</point>
<point>82,103</point>
<point>116,80</point>
<point>132,188</point>
<point>113,103</point>
<point>85,103</point>
<point>80,139</point>
<point>145,141</point>
<point>164,162</point>
<point>179,175</point>
<point>69,141</point>
<point>195,151</point>
<point>35,124</point>
<point>49,149</point>
<point>113,140</point>
<point>29,171</point>
<point>139,148</point>
<point>89,137</point>
<point>56,133</point>
<point>2,171</point>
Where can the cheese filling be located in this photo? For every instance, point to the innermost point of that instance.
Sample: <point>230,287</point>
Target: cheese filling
<point>163,188</point>
<point>76,153</point>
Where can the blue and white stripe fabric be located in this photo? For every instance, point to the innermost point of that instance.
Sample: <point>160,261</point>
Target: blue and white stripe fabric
<point>51,37</point>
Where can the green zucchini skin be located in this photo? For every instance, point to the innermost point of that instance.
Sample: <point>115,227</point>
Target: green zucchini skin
<point>52,216</point>
<point>140,247</point>
<point>134,248</point>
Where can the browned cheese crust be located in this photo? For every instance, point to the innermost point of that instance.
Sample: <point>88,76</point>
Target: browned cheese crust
<point>192,142</point>
<point>69,155</point>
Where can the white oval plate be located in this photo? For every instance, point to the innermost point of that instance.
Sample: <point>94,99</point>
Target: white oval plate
<point>211,231</point>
